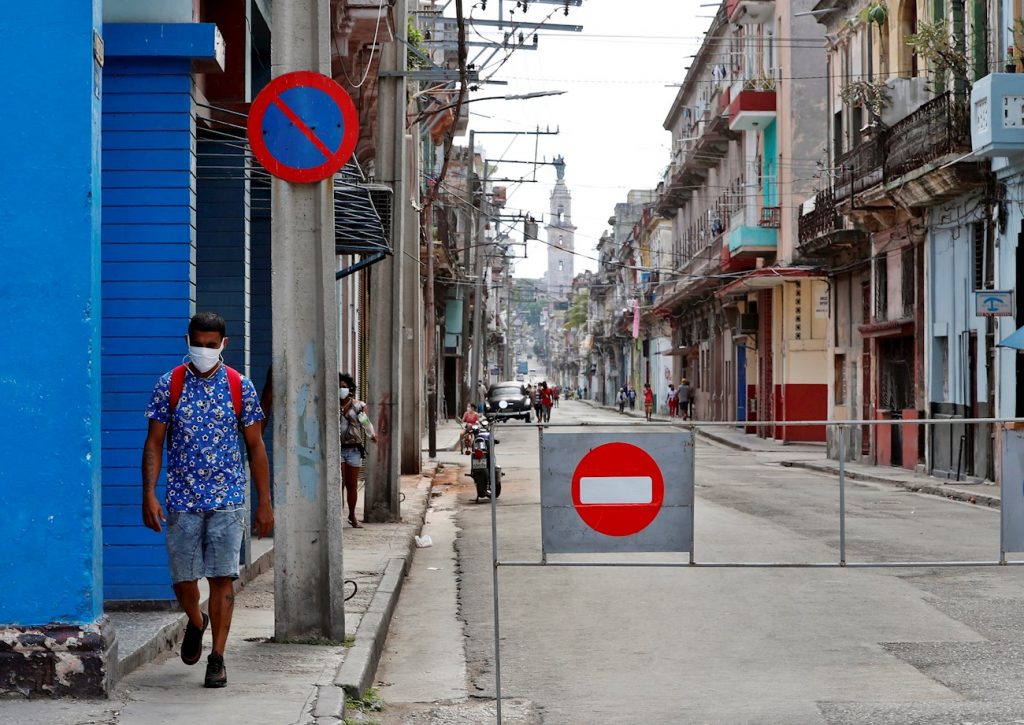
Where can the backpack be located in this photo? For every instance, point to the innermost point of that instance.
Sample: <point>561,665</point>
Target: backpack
<point>178,384</point>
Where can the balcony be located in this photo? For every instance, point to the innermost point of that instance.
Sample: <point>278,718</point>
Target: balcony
<point>753,106</point>
<point>918,161</point>
<point>823,232</point>
<point>747,240</point>
<point>940,127</point>
<point>750,12</point>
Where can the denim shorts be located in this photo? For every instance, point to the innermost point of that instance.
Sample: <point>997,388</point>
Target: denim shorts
<point>351,456</point>
<point>205,544</point>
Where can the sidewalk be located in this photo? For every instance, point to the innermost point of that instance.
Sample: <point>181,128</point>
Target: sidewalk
<point>269,683</point>
<point>812,456</point>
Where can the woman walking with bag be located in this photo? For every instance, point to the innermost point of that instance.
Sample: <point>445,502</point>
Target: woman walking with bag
<point>354,421</point>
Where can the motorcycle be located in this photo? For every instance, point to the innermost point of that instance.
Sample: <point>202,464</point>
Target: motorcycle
<point>479,462</point>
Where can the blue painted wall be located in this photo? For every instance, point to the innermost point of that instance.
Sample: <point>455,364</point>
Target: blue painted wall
<point>49,387</point>
<point>149,271</point>
<point>260,314</point>
<point>222,255</point>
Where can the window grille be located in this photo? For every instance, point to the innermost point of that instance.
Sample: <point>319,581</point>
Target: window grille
<point>881,284</point>
<point>908,277</point>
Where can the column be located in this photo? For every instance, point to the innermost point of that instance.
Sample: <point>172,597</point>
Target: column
<point>54,639</point>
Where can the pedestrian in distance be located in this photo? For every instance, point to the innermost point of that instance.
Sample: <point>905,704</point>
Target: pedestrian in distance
<point>556,393</point>
<point>648,401</point>
<point>204,409</point>
<point>685,398</point>
<point>623,398</point>
<point>632,398</point>
<point>538,404</point>
<point>672,398</point>
<point>354,423</point>
<point>547,399</point>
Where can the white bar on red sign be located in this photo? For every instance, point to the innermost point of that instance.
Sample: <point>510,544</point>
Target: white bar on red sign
<point>616,489</point>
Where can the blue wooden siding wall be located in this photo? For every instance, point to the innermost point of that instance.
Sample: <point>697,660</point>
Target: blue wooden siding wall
<point>261,314</point>
<point>222,255</point>
<point>149,262</point>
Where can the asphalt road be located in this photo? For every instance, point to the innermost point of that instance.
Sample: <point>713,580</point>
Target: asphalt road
<point>616,645</point>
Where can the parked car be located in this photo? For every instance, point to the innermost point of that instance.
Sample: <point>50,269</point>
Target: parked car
<point>508,400</point>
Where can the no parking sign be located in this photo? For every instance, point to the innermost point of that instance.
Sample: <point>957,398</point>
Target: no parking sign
<point>303,127</point>
<point>615,492</point>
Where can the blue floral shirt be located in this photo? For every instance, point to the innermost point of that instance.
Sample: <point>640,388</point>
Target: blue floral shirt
<point>204,453</point>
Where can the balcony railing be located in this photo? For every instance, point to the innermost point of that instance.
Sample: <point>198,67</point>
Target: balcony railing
<point>940,127</point>
<point>823,220</point>
<point>771,217</point>
<point>861,166</point>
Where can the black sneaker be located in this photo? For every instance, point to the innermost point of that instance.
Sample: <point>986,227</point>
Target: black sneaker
<point>216,672</point>
<point>192,645</point>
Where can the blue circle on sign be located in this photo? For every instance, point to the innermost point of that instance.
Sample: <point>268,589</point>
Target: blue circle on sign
<point>303,127</point>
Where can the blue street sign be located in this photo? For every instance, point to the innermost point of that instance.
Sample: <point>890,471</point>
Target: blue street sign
<point>994,303</point>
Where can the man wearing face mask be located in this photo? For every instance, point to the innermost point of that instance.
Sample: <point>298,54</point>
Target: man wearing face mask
<point>354,420</point>
<point>208,408</point>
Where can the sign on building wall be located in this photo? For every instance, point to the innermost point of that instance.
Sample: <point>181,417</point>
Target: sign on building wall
<point>616,492</point>
<point>994,303</point>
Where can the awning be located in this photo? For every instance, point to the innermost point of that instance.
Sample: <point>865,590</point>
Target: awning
<point>767,278</point>
<point>362,213</point>
<point>678,351</point>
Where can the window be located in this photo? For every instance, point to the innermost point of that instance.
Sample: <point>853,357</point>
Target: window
<point>881,285</point>
<point>840,380</point>
<point>983,253</point>
<point>907,276</point>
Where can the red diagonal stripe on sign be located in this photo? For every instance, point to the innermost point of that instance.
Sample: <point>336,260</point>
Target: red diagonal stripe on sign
<point>306,130</point>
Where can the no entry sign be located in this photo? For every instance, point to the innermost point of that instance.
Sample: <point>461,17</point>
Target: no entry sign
<point>303,127</point>
<point>614,492</point>
<point>617,489</point>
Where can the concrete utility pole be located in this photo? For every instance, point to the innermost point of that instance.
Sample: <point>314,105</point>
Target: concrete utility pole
<point>478,296</point>
<point>387,291</point>
<point>412,351</point>
<point>308,573</point>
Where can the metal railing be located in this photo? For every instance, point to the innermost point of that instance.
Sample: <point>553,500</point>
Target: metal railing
<point>940,127</point>
<point>1012,455</point>
<point>824,219</point>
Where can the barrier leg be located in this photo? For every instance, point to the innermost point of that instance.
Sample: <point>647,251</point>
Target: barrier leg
<point>841,430</point>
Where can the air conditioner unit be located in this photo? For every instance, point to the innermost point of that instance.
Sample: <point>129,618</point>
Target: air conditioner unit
<point>997,115</point>
<point>746,324</point>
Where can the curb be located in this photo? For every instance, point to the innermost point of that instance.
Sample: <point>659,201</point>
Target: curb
<point>934,489</point>
<point>356,673</point>
<point>168,636</point>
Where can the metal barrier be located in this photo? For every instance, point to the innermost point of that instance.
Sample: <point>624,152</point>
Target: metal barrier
<point>1010,459</point>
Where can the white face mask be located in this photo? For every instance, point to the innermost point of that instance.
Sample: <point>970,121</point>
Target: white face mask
<point>342,393</point>
<point>203,358</point>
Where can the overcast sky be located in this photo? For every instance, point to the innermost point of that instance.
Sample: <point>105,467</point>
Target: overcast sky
<point>615,73</point>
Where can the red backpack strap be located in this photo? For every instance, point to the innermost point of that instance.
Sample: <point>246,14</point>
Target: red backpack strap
<point>177,384</point>
<point>235,383</point>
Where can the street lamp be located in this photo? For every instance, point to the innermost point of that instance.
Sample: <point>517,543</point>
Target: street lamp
<point>512,97</point>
